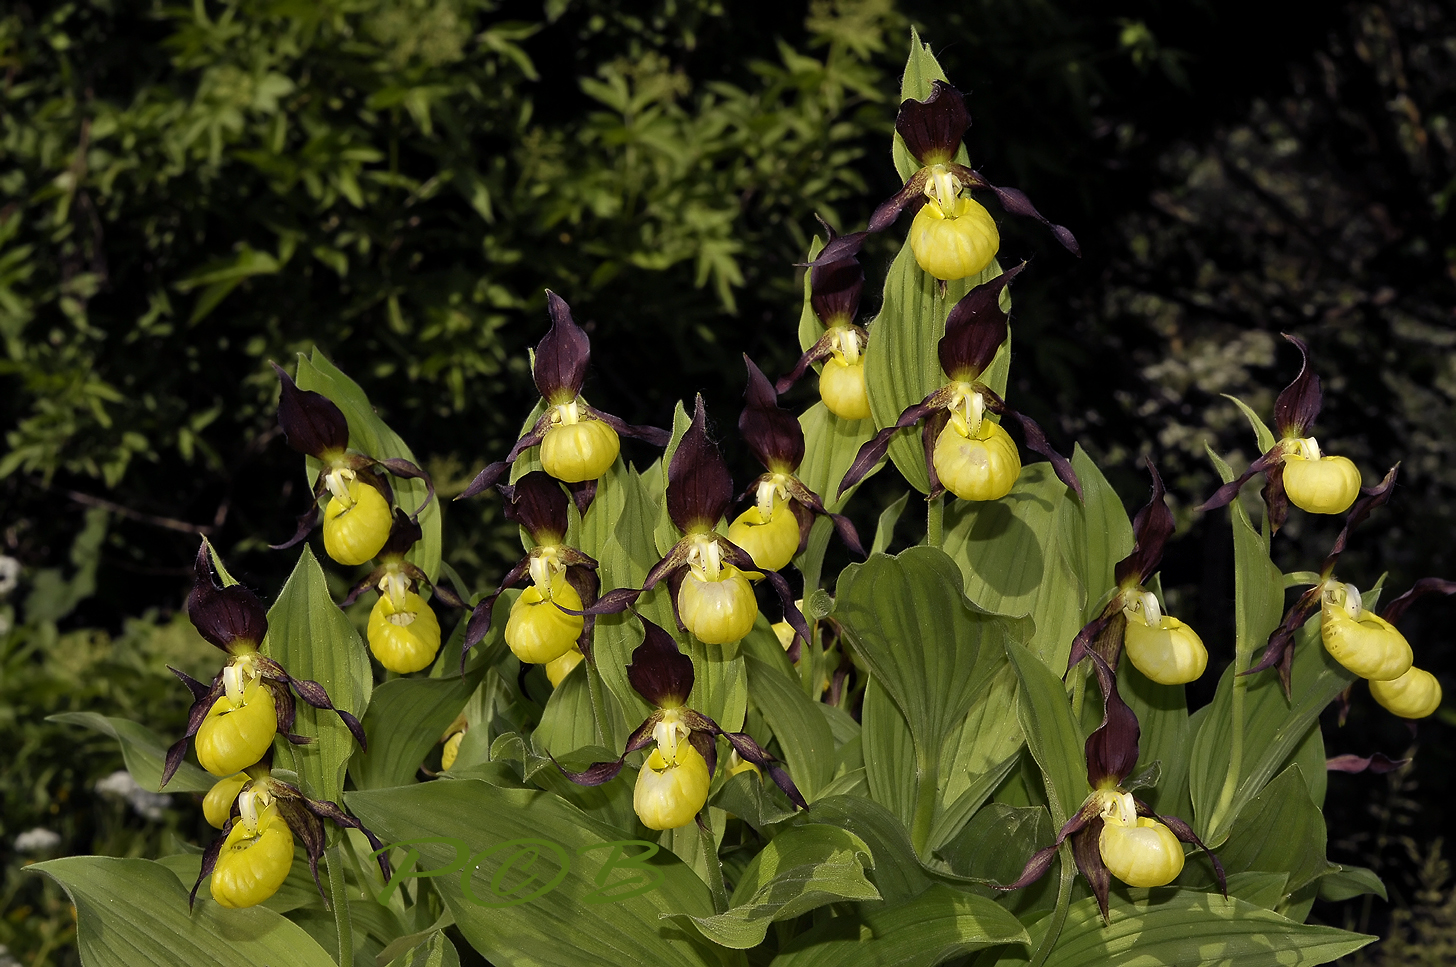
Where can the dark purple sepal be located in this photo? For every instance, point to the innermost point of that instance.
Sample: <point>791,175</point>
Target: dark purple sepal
<point>975,328</point>
<point>1185,834</point>
<point>836,279</point>
<point>602,772</point>
<point>583,492</point>
<point>933,128</point>
<point>771,432</point>
<point>1151,529</point>
<point>324,809</point>
<point>404,533</point>
<point>198,689</point>
<point>486,479</point>
<point>1397,608</point>
<point>1298,405</point>
<point>1379,763</point>
<point>1015,202</point>
<point>480,618</point>
<point>1041,860</point>
<point>209,860</point>
<point>1372,497</point>
<point>699,486</point>
<point>911,196</point>
<point>1036,440</point>
<point>311,423</point>
<point>537,503</point>
<point>223,615</point>
<point>1112,748</point>
<point>1280,651</point>
<point>874,449</point>
<point>751,751</point>
<point>1087,851</point>
<point>843,526</point>
<point>1094,632</point>
<point>816,353</point>
<point>659,672</point>
<point>1276,502</point>
<point>562,355</point>
<point>656,436</point>
<point>1224,495</point>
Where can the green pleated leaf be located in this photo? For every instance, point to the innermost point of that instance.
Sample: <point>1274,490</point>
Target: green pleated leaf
<point>1096,535</point>
<point>889,753</point>
<point>1262,433</point>
<point>567,723</point>
<point>312,639</point>
<point>1162,714</point>
<point>555,895</point>
<point>939,924</point>
<point>1010,553</point>
<point>800,869</point>
<point>885,528</point>
<point>1051,733</point>
<point>1190,930</point>
<point>131,911</point>
<point>437,951</point>
<point>1279,830</point>
<point>143,751</point>
<point>405,720</point>
<point>1348,882</point>
<point>897,874</point>
<point>802,731</point>
<point>371,435</point>
<point>994,845</point>
<point>979,755</point>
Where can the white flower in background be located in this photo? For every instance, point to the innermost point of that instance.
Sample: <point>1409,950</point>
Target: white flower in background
<point>147,804</point>
<point>5,959</point>
<point>9,574</point>
<point>38,840</point>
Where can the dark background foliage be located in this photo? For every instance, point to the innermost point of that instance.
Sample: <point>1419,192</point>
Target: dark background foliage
<point>189,191</point>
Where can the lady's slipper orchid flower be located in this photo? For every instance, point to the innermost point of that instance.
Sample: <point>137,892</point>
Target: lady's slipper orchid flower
<point>558,668</point>
<point>1163,648</point>
<point>546,621</point>
<point>451,740</point>
<point>777,526</point>
<point>403,632</point>
<point>1295,471</point>
<point>711,596</point>
<point>357,517</point>
<point>235,718</point>
<point>1416,693</point>
<point>672,786</point>
<point>953,236</point>
<point>965,452</point>
<point>1364,643</point>
<point>836,281</point>
<point>1114,834</point>
<point>250,860</point>
<point>578,442</point>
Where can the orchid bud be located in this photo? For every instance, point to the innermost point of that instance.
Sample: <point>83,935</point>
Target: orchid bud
<point>718,610</point>
<point>451,750</point>
<point>239,727</point>
<point>671,791</point>
<point>404,636</point>
<point>1319,484</point>
<point>1140,851</point>
<point>1413,695</point>
<point>254,861</point>
<point>558,668</point>
<point>577,446</point>
<point>772,541</point>
<point>979,463</point>
<point>953,236</point>
<point>217,805</point>
<point>357,519</point>
<point>538,631</point>
<point>1361,640</point>
<point>1162,647</point>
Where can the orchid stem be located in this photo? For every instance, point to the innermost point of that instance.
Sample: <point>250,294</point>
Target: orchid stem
<point>929,769</point>
<point>935,521</point>
<point>1243,654</point>
<point>714,867</point>
<point>339,898</point>
<point>599,706</point>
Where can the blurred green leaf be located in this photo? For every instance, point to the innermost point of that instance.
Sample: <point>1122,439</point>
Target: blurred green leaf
<point>801,730</point>
<point>1051,733</point>
<point>143,751</point>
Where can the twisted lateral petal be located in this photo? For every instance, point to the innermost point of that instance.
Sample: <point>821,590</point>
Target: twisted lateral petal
<point>480,618</point>
<point>562,355</point>
<point>1396,609</point>
<point>820,351</point>
<point>1379,763</point>
<point>699,487</point>
<point>1373,498</point>
<point>1015,202</point>
<point>873,451</point>
<point>1036,440</point>
<point>1299,403</point>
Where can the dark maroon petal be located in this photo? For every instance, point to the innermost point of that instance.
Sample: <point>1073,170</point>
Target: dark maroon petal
<point>601,772</point>
<point>485,480</point>
<point>588,586</point>
<point>843,526</point>
<point>198,689</point>
<point>537,503</point>
<point>480,618</point>
<point>649,434</point>
<point>583,492</point>
<point>314,694</point>
<point>707,748</point>
<point>1151,528</point>
<point>306,826</point>
<point>1373,498</point>
<point>818,352</point>
<point>1035,869</point>
<point>975,329</point>
<point>1224,495</point>
<point>285,709</point>
<point>227,615</point>
<point>699,486</point>
<point>911,196</point>
<point>311,422</point>
<point>1185,834</point>
<point>1280,652</point>
<point>771,432</point>
<point>404,533</point>
<point>1035,437</point>
<point>176,752</point>
<point>659,672</point>
<point>751,751</point>
<point>1276,503</point>
<point>1379,763</point>
<point>792,614</point>
<point>209,860</point>
<point>562,355</point>
<point>1397,608</point>
<point>933,128</point>
<point>874,449</point>
<point>838,247</point>
<point>1015,202</point>
<point>403,468</point>
<point>1087,851</point>
<point>1112,748</point>
<point>306,522</point>
<point>930,430</point>
<point>1298,405</point>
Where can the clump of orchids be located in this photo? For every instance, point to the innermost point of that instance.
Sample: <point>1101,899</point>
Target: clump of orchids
<point>259,815</point>
<point>952,236</point>
<point>1115,834</point>
<point>357,515</point>
<point>672,785</point>
<point>967,452</point>
<point>250,701</point>
<point>1160,646</point>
